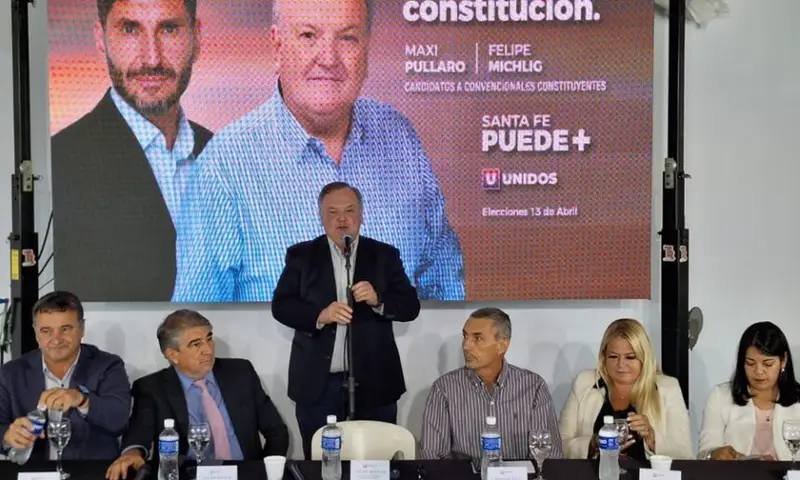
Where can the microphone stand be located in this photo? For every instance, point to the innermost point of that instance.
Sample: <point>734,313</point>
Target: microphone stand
<point>350,383</point>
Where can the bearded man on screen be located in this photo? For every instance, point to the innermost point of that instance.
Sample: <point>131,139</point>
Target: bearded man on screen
<point>120,172</point>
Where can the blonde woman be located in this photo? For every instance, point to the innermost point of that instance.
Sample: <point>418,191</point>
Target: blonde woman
<point>627,385</point>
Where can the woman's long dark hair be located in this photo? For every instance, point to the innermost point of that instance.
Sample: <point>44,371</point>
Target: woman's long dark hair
<point>769,340</point>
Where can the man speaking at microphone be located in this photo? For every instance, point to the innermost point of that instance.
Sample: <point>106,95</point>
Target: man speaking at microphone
<point>312,297</point>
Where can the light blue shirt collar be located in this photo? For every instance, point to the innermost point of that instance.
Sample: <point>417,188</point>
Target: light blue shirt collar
<point>146,133</point>
<point>187,382</point>
<point>294,135</point>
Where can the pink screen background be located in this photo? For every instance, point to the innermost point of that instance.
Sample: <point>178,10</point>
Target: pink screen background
<point>604,252</point>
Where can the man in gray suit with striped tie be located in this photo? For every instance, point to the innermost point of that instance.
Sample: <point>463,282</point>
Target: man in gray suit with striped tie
<point>487,385</point>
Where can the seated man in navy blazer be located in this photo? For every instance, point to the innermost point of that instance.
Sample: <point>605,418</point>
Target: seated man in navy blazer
<point>225,393</point>
<point>89,385</point>
<point>312,297</point>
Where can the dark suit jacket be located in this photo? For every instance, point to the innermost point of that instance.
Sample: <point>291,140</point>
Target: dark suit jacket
<point>110,220</point>
<point>103,374</point>
<point>307,286</point>
<point>160,395</point>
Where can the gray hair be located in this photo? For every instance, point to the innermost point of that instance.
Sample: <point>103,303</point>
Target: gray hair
<point>174,325</point>
<point>276,12</point>
<point>502,322</point>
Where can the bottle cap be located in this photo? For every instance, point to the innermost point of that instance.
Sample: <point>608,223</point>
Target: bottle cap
<point>608,419</point>
<point>331,419</point>
<point>169,423</point>
<point>491,421</point>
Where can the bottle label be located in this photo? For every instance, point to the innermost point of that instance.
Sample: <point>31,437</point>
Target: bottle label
<point>38,425</point>
<point>167,447</point>
<point>331,443</point>
<point>608,443</point>
<point>491,443</point>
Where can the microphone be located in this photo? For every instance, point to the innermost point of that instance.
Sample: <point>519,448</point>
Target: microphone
<point>348,245</point>
<point>295,471</point>
<point>143,472</point>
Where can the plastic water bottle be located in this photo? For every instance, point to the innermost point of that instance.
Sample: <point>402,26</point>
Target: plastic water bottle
<point>21,455</point>
<point>608,441</point>
<point>331,450</point>
<point>168,451</point>
<point>491,446</point>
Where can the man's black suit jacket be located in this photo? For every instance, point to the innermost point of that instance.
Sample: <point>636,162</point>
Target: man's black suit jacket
<point>160,395</point>
<point>307,286</point>
<point>113,235</point>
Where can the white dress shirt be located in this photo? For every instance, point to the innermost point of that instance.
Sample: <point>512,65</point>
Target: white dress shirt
<point>51,381</point>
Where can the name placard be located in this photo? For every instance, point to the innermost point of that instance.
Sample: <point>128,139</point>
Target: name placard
<point>650,474</point>
<point>38,476</point>
<point>369,470</point>
<point>219,472</point>
<point>505,472</point>
<point>520,463</point>
<point>793,475</point>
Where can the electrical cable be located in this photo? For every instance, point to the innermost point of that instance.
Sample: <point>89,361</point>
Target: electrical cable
<point>46,263</point>
<point>46,233</point>
<point>7,327</point>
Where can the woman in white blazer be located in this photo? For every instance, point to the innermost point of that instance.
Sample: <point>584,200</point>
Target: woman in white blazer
<point>626,384</point>
<point>743,418</point>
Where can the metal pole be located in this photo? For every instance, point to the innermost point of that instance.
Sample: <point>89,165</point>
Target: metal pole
<point>350,383</point>
<point>23,238</point>
<point>674,235</point>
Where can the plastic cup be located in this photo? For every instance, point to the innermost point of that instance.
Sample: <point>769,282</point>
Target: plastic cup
<point>660,462</point>
<point>274,465</point>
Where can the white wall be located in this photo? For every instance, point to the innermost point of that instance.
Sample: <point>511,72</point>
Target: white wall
<point>6,143</point>
<point>742,102</point>
<point>740,95</point>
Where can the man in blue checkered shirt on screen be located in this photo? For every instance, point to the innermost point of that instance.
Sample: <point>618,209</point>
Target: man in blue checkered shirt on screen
<point>259,177</point>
